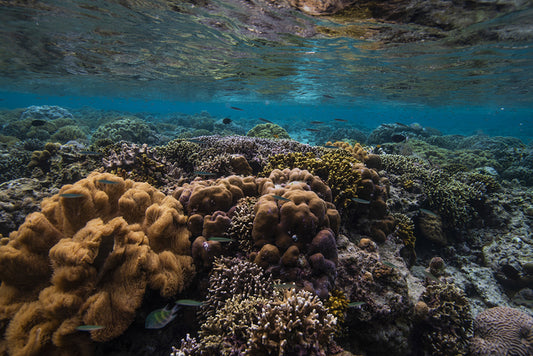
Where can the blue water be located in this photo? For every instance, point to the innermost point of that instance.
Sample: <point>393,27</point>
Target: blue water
<point>150,58</point>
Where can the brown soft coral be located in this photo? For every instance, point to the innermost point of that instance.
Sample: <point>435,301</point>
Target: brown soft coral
<point>90,254</point>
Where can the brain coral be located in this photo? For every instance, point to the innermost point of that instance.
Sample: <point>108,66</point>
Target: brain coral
<point>87,259</point>
<point>502,331</point>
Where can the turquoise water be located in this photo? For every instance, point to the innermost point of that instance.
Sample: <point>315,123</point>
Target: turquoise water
<point>166,57</point>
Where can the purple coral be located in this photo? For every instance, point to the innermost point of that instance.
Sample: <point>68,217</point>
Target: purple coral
<point>502,331</point>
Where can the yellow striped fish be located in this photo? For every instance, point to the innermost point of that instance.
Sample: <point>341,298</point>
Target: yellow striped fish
<point>159,318</point>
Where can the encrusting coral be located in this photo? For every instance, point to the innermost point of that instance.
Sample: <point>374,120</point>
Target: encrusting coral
<point>87,259</point>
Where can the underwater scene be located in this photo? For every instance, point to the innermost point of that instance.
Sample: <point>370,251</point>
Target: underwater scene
<point>266,177</point>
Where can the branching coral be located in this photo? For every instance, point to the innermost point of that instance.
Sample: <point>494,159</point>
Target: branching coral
<point>230,277</point>
<point>296,324</point>
<point>291,323</point>
<point>337,304</point>
<point>448,324</point>
<point>88,258</point>
<point>268,131</point>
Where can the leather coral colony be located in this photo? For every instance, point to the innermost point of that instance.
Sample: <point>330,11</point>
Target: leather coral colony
<point>87,259</point>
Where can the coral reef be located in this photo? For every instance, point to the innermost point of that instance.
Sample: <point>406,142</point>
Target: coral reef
<point>292,220</point>
<point>447,323</point>
<point>383,293</point>
<point>268,131</point>
<point>93,236</point>
<point>502,331</point>
<point>19,198</point>
<point>130,129</point>
<point>288,323</point>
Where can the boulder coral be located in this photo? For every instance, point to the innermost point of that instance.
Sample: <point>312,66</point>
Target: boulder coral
<point>502,331</point>
<point>87,259</point>
<point>294,229</point>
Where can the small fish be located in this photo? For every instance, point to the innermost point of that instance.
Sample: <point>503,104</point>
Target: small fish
<point>189,302</point>
<point>38,122</point>
<point>361,201</point>
<point>313,130</point>
<point>431,276</point>
<point>265,120</point>
<point>428,212</point>
<point>71,195</point>
<point>275,135</point>
<point>107,181</point>
<point>220,239</point>
<point>400,124</point>
<point>284,285</point>
<point>328,96</point>
<point>226,121</point>
<point>159,318</point>
<point>388,264</point>
<point>236,108</point>
<point>398,138</point>
<point>90,153</point>
<point>340,120</point>
<point>193,140</point>
<point>316,122</point>
<point>355,304</point>
<point>202,173</point>
<point>280,198</point>
<point>330,146</point>
<point>89,327</point>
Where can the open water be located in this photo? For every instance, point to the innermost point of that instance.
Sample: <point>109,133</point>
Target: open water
<point>272,62</point>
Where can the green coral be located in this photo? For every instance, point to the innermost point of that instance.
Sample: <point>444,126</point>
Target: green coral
<point>182,152</point>
<point>338,169</point>
<point>268,131</point>
<point>128,129</point>
<point>455,197</point>
<point>68,133</point>
<point>405,229</point>
<point>455,201</point>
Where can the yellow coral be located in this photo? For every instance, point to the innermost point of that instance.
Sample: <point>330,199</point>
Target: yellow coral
<point>87,259</point>
<point>337,304</point>
<point>405,230</point>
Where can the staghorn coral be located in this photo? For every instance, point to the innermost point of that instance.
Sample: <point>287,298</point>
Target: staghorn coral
<point>295,324</point>
<point>95,235</point>
<point>242,222</point>
<point>502,331</point>
<point>447,326</point>
<point>291,323</point>
<point>230,277</point>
